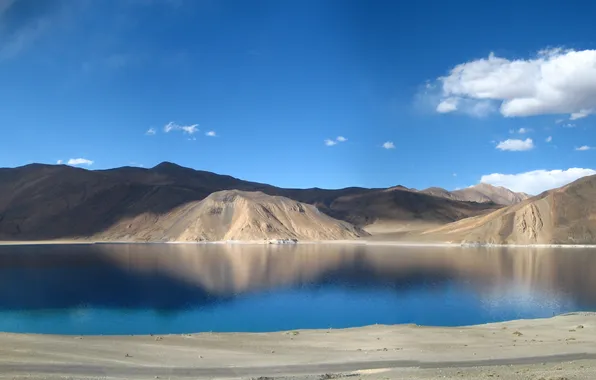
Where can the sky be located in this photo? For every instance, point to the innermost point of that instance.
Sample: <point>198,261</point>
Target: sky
<point>305,93</point>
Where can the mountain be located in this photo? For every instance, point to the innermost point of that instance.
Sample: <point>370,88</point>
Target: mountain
<point>389,209</point>
<point>481,193</point>
<point>234,215</point>
<point>39,202</point>
<point>484,192</point>
<point>566,215</point>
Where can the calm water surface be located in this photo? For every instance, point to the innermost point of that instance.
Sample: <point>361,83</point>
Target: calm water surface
<point>159,289</point>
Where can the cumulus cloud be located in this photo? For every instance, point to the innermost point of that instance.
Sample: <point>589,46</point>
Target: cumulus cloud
<point>554,81</point>
<point>151,132</point>
<point>59,162</point>
<point>210,134</point>
<point>388,145</point>
<point>537,181</point>
<point>189,129</point>
<point>522,131</point>
<point>549,139</point>
<point>516,145</point>
<point>329,142</point>
<point>584,147</point>
<point>341,139</point>
<point>79,161</point>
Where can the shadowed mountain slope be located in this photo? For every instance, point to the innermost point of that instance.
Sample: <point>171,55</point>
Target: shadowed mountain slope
<point>58,201</point>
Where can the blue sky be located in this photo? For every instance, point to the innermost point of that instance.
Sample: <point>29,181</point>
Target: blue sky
<point>425,93</point>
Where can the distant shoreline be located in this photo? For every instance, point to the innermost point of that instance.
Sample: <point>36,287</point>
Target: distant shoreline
<point>274,242</point>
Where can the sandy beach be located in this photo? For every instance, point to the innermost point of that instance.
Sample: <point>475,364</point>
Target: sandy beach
<point>562,347</point>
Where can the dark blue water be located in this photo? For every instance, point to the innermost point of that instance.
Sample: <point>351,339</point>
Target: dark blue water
<point>159,289</point>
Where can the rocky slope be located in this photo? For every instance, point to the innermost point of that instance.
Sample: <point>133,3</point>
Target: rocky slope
<point>40,202</point>
<point>234,215</point>
<point>481,193</point>
<point>566,215</point>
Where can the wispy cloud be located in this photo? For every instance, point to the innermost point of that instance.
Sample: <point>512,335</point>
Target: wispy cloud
<point>78,162</point>
<point>24,22</point>
<point>211,134</point>
<point>584,147</point>
<point>549,139</point>
<point>569,125</point>
<point>515,145</point>
<point>189,129</point>
<point>338,139</point>
<point>388,145</point>
<point>151,132</point>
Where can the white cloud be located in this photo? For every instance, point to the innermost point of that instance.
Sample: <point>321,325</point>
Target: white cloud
<point>341,139</point>
<point>59,162</point>
<point>516,145</point>
<point>568,125</point>
<point>555,81</point>
<point>79,161</point>
<point>189,129</point>
<point>388,145</point>
<point>581,114</point>
<point>584,147</point>
<point>448,105</point>
<point>549,139</point>
<point>330,142</point>
<point>151,132</point>
<point>537,181</point>
<point>522,131</point>
<point>455,174</point>
<point>210,134</point>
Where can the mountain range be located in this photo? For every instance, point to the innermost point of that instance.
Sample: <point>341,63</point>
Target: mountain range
<point>171,203</point>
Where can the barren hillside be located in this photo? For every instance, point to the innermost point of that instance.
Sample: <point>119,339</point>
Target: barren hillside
<point>234,215</point>
<point>39,202</point>
<point>484,192</point>
<point>481,193</point>
<point>566,215</point>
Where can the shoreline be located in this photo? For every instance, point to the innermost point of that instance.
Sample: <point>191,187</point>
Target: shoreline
<point>372,352</point>
<point>274,242</point>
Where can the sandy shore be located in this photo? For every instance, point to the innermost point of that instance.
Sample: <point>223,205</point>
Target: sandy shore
<point>562,347</point>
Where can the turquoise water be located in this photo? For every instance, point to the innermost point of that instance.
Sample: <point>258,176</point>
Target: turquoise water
<point>160,289</point>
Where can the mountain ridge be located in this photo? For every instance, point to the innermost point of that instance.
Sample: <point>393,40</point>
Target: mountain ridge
<point>566,215</point>
<point>40,202</point>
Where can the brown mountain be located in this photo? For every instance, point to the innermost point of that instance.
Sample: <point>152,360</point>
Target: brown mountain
<point>481,193</point>
<point>59,202</point>
<point>566,215</point>
<point>234,215</point>
<point>484,192</point>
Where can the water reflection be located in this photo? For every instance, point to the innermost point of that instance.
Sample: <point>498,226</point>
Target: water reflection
<point>471,285</point>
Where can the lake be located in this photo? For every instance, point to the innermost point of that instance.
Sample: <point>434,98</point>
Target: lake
<point>174,288</point>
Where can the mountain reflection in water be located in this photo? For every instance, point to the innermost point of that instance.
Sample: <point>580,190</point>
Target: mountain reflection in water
<point>221,287</point>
